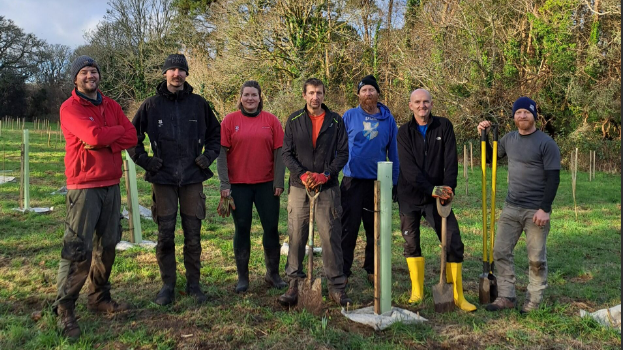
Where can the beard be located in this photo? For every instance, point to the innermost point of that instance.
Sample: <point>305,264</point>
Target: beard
<point>85,88</point>
<point>525,124</point>
<point>368,103</point>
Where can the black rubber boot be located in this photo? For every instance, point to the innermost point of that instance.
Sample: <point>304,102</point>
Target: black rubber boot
<point>271,258</point>
<point>165,296</point>
<point>67,322</point>
<point>242,266</point>
<point>194,290</point>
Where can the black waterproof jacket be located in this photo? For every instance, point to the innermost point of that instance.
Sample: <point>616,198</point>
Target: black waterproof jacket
<point>330,154</point>
<point>425,162</point>
<point>181,126</point>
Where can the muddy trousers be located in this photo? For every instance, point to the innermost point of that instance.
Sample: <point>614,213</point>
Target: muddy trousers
<point>267,206</point>
<point>92,231</point>
<point>327,225</point>
<point>358,205</point>
<point>512,222</point>
<point>410,228</point>
<point>164,211</point>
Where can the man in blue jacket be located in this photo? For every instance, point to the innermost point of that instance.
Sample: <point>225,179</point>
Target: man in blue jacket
<point>372,135</point>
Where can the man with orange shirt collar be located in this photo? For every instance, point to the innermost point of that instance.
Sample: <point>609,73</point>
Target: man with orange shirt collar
<point>315,163</point>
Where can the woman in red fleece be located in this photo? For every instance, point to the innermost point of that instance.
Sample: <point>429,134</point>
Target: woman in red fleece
<point>251,170</point>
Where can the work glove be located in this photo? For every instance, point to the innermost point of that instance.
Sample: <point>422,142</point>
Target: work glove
<point>444,193</point>
<point>319,179</point>
<point>395,193</point>
<point>202,161</point>
<point>153,164</point>
<point>307,179</point>
<point>225,206</point>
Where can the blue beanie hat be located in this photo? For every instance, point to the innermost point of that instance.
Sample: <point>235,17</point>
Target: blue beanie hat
<point>525,103</point>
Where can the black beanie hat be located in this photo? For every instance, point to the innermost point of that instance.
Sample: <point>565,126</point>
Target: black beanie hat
<point>525,103</point>
<point>368,80</point>
<point>175,60</point>
<point>81,62</point>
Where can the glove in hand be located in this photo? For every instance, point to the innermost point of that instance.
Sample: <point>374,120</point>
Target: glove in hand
<point>319,179</point>
<point>202,161</point>
<point>153,164</point>
<point>225,206</point>
<point>444,193</point>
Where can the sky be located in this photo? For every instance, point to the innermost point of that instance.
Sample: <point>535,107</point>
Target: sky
<point>55,21</point>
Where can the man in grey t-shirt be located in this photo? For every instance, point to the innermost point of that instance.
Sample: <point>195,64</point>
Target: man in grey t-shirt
<point>534,175</point>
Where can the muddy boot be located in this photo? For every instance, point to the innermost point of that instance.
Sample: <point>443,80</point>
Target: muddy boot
<point>67,322</point>
<point>166,295</point>
<point>501,303</point>
<point>109,306</point>
<point>271,258</point>
<point>291,296</point>
<point>194,290</point>
<point>242,266</point>
<point>341,298</point>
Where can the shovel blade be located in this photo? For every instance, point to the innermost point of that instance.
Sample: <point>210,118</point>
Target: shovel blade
<point>310,296</point>
<point>487,288</point>
<point>443,297</point>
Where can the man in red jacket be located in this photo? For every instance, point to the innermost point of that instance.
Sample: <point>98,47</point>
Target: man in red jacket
<point>96,131</point>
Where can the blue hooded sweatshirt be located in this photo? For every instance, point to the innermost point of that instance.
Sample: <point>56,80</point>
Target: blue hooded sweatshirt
<point>371,139</point>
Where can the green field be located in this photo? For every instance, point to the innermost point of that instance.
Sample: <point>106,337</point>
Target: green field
<point>584,258</point>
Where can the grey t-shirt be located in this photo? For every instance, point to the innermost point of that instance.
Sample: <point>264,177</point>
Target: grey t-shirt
<point>528,158</point>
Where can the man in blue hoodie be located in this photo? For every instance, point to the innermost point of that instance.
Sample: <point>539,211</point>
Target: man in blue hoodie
<point>372,135</point>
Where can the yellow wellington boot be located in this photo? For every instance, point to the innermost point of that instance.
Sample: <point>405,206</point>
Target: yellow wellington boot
<point>457,279</point>
<point>416,271</point>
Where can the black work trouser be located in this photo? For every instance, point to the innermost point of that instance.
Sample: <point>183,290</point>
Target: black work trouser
<point>410,228</point>
<point>357,205</point>
<point>92,231</point>
<point>164,211</point>
<point>267,205</point>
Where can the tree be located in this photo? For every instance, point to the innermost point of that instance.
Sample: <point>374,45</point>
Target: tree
<point>18,50</point>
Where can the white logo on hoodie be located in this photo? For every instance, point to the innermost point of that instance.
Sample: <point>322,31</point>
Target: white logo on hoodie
<point>370,130</point>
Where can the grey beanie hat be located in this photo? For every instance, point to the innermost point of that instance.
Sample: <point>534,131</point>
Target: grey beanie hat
<point>81,62</point>
<point>175,60</point>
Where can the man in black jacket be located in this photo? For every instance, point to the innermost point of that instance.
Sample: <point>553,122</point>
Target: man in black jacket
<point>185,139</point>
<point>428,169</point>
<point>315,149</point>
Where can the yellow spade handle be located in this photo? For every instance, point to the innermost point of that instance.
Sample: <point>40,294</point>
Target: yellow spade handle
<point>494,171</point>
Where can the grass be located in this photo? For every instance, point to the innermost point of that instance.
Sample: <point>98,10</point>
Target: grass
<point>584,258</point>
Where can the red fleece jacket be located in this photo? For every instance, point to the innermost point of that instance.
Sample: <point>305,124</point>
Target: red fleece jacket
<point>104,126</point>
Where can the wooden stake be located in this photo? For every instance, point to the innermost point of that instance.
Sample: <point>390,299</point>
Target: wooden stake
<point>465,173</point>
<point>590,165</point>
<point>471,156</point>
<point>594,164</point>
<point>464,160</point>
<point>49,136</point>
<point>574,175</point>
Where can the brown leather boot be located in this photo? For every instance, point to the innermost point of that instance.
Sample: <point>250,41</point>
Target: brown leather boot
<point>67,322</point>
<point>501,303</point>
<point>109,306</point>
<point>291,296</point>
<point>341,298</point>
